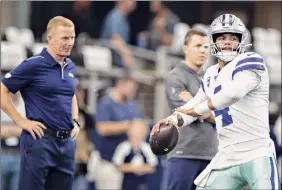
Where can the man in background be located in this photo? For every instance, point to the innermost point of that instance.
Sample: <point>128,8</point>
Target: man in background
<point>114,116</point>
<point>161,27</point>
<point>84,146</point>
<point>197,142</point>
<point>116,29</point>
<point>82,18</point>
<point>134,158</point>
<point>10,149</point>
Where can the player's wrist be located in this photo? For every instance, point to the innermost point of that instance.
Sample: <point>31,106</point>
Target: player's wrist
<point>176,119</point>
<point>202,108</point>
<point>77,122</point>
<point>172,119</point>
<point>128,124</point>
<point>19,120</point>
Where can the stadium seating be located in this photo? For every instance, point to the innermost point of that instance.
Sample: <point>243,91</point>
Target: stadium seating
<point>267,42</point>
<point>97,58</point>
<point>12,54</point>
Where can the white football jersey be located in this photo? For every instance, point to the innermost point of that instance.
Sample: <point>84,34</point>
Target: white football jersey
<point>247,119</point>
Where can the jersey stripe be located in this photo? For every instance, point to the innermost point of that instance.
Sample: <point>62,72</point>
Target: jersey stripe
<point>272,178</point>
<point>250,60</point>
<point>35,57</point>
<point>248,67</point>
<point>217,89</point>
<point>202,85</point>
<point>230,19</point>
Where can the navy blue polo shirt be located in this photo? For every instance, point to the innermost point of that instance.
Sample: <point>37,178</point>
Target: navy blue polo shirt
<point>46,88</point>
<point>109,110</point>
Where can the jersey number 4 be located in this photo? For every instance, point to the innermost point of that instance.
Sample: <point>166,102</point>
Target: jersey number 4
<point>226,118</point>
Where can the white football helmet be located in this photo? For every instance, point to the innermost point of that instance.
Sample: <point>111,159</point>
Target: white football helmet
<point>227,23</point>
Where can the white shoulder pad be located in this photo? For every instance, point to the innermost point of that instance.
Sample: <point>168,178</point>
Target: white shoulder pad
<point>212,70</point>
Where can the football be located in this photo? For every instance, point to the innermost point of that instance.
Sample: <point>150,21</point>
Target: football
<point>165,140</point>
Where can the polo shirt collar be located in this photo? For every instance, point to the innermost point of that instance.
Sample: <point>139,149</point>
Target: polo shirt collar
<point>49,58</point>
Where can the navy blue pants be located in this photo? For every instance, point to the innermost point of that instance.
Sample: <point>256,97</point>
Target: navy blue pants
<point>181,172</point>
<point>134,182</point>
<point>46,163</point>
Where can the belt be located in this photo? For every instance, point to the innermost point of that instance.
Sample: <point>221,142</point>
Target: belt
<point>59,133</point>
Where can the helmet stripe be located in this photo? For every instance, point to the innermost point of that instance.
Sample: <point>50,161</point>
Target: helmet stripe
<point>230,17</point>
<point>223,20</point>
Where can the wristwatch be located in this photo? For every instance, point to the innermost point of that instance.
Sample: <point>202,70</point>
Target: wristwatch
<point>77,122</point>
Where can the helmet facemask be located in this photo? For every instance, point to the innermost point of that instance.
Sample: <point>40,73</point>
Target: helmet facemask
<point>218,48</point>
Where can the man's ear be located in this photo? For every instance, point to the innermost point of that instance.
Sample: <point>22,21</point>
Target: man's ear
<point>185,47</point>
<point>48,37</point>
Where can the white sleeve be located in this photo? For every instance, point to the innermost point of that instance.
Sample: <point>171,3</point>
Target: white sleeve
<point>151,158</point>
<point>122,150</point>
<point>242,84</point>
<point>199,98</point>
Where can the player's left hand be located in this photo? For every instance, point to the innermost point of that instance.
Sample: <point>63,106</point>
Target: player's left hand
<point>75,132</point>
<point>188,112</point>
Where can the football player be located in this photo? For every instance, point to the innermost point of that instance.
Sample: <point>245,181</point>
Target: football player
<point>237,91</point>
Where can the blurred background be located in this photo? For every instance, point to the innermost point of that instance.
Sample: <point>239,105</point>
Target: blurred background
<point>146,44</point>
